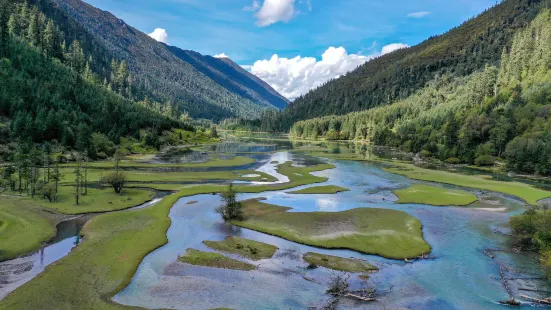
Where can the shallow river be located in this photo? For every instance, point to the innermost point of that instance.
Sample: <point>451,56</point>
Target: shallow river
<point>458,275</point>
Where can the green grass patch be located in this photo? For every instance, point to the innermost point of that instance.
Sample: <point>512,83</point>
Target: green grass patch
<point>328,189</point>
<point>384,232</point>
<point>214,163</point>
<point>115,244</point>
<point>96,201</point>
<point>244,247</point>
<point>338,263</point>
<point>435,196</point>
<point>210,259</point>
<point>526,192</point>
<point>159,177</point>
<point>23,227</point>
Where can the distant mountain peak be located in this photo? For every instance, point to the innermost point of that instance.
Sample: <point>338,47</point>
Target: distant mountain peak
<point>233,77</point>
<point>198,86</point>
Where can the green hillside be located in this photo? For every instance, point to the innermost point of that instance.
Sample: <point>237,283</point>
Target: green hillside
<point>396,76</point>
<point>499,112</point>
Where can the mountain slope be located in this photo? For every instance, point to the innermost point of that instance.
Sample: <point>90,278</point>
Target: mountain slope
<point>255,78</point>
<point>232,77</point>
<point>499,112</point>
<point>461,51</point>
<point>156,70</point>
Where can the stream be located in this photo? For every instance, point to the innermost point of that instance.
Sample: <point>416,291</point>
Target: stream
<point>458,275</point>
<point>18,271</point>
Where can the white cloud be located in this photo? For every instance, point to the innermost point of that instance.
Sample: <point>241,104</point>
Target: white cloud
<point>387,49</point>
<point>272,11</point>
<point>254,6</point>
<point>296,76</point>
<point>419,14</point>
<point>160,35</point>
<point>221,56</point>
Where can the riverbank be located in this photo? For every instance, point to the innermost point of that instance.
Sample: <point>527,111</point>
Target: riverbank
<point>114,245</point>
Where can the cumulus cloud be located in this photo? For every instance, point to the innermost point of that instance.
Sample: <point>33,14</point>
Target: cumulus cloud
<point>419,14</point>
<point>387,49</point>
<point>296,76</point>
<point>221,56</point>
<point>272,11</point>
<point>160,35</point>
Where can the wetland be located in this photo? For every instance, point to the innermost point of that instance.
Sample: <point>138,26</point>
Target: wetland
<point>311,210</point>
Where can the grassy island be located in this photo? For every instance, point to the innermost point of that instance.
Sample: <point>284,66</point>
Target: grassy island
<point>526,192</point>
<point>338,263</point>
<point>384,232</point>
<point>209,259</point>
<point>243,247</point>
<point>435,196</point>
<point>328,189</point>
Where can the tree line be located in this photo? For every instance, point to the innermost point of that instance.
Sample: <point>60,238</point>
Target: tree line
<point>393,77</point>
<point>500,112</point>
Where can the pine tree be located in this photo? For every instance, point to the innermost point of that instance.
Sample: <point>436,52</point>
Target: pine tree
<point>49,40</point>
<point>76,57</point>
<point>78,178</point>
<point>33,32</point>
<point>4,28</point>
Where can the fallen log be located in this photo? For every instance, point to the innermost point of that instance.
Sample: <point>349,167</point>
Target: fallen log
<point>310,279</point>
<point>510,302</point>
<point>359,297</point>
<point>536,300</point>
<point>490,255</point>
<point>532,290</point>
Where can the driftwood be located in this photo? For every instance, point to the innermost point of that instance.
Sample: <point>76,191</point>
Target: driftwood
<point>360,297</point>
<point>546,301</point>
<point>532,290</point>
<point>510,302</point>
<point>505,281</point>
<point>489,254</point>
<point>310,279</point>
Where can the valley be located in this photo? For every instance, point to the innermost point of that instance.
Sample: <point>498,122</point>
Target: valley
<point>139,172</point>
<point>132,256</point>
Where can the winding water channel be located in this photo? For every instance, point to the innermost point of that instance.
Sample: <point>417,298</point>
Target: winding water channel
<point>458,274</point>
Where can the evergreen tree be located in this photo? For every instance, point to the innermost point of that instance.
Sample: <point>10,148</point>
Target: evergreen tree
<point>33,31</point>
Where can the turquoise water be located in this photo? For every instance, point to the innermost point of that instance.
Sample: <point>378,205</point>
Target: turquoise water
<point>458,275</point>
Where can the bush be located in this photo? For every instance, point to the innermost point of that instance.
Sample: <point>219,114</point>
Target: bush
<point>425,154</point>
<point>453,161</point>
<point>117,180</point>
<point>485,160</point>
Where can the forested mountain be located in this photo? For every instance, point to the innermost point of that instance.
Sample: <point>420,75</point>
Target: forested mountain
<point>501,111</point>
<point>395,76</point>
<point>50,94</point>
<point>232,77</point>
<point>154,70</point>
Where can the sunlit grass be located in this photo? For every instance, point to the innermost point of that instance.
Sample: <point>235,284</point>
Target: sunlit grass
<point>436,196</point>
<point>384,232</point>
<point>210,259</point>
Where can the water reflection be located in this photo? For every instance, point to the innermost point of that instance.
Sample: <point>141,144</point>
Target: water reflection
<point>17,272</point>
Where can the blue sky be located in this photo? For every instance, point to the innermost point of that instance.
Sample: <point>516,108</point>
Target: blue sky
<point>248,31</point>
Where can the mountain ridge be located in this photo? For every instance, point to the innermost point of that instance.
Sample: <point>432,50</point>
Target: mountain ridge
<point>231,76</point>
<point>158,72</point>
<point>397,75</point>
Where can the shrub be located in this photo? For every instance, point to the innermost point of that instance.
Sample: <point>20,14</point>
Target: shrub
<point>485,160</point>
<point>117,180</point>
<point>453,161</point>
